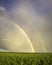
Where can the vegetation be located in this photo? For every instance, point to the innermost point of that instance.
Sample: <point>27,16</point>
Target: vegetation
<point>25,59</point>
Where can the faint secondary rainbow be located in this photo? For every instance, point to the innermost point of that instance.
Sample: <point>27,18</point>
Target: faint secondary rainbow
<point>39,39</point>
<point>41,42</point>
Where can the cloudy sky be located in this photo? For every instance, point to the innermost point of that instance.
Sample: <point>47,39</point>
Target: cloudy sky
<point>25,25</point>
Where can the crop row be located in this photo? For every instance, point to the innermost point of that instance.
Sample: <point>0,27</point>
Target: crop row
<point>25,60</point>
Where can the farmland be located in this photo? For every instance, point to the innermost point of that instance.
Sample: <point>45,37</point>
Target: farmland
<point>10,58</point>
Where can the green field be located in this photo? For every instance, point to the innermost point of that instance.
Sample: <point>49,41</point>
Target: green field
<point>25,59</point>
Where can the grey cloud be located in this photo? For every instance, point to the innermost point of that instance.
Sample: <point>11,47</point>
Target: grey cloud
<point>33,23</point>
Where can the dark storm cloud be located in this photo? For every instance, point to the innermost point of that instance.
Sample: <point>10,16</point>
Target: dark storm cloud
<point>42,6</point>
<point>8,4</point>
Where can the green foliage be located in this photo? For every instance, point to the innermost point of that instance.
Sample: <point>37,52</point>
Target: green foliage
<point>25,59</point>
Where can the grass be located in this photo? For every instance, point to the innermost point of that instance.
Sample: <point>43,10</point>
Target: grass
<point>9,58</point>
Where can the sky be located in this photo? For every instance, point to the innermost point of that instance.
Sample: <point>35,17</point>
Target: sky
<point>25,25</point>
